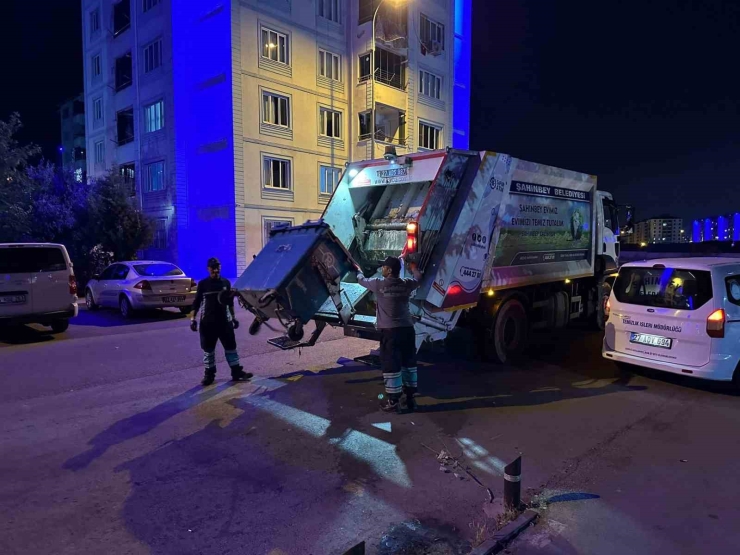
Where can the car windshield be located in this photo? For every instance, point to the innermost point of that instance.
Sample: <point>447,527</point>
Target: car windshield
<point>664,287</point>
<point>158,269</point>
<point>15,260</point>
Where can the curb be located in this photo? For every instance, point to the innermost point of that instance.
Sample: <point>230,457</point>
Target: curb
<point>506,534</point>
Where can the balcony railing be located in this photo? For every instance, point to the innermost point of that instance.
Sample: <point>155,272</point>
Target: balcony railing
<point>381,137</point>
<point>394,80</point>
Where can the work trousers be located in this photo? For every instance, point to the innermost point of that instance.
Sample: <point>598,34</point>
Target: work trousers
<point>398,360</point>
<point>210,334</point>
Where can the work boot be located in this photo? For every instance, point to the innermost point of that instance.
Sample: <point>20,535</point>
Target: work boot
<point>410,401</point>
<point>391,405</point>
<point>239,375</point>
<point>208,377</point>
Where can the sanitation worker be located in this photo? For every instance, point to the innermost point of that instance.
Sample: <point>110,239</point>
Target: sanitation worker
<point>397,337</point>
<point>217,323</point>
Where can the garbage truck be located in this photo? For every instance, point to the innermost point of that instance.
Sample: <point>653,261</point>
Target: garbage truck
<point>505,246</point>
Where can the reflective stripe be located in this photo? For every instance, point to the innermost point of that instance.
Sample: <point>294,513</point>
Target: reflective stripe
<point>510,478</point>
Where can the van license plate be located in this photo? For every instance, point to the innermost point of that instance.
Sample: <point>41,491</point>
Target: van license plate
<point>173,299</point>
<point>652,340</point>
<point>12,299</point>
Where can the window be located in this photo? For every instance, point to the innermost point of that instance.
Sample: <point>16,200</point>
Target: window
<point>160,233</point>
<point>94,22</point>
<point>330,123</point>
<point>276,173</point>
<point>664,287</point>
<point>268,224</point>
<point>125,126</point>
<point>158,269</point>
<point>428,136</point>
<point>128,172</point>
<point>149,4</point>
<point>367,10</point>
<point>154,177</point>
<point>123,72</point>
<point>152,56</point>
<point>97,111</point>
<point>365,69</point>
<point>432,35</point>
<point>97,66</point>
<point>275,46</point>
<point>328,179</point>
<point>330,65</point>
<point>366,124</point>
<point>99,152</point>
<point>120,272</point>
<point>733,289</point>
<point>390,68</point>
<point>32,259</point>
<point>154,116</point>
<point>430,84</point>
<point>121,17</point>
<point>275,109</point>
<point>329,9</point>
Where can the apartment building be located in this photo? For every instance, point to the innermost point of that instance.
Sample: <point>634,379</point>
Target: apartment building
<point>73,147</point>
<point>663,229</point>
<point>718,228</point>
<point>230,117</point>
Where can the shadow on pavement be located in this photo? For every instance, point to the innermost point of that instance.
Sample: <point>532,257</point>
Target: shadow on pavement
<point>109,318</point>
<point>25,335</point>
<point>141,423</point>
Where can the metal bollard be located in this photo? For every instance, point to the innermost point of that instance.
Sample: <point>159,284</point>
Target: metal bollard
<point>513,484</point>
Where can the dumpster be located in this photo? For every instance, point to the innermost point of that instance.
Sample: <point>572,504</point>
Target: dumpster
<point>298,271</point>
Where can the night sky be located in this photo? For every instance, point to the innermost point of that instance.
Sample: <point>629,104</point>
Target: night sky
<point>645,94</point>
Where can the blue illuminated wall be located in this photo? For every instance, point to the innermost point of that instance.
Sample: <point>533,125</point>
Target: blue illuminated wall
<point>696,235</point>
<point>461,91</point>
<point>708,235</point>
<point>736,226</point>
<point>204,138</point>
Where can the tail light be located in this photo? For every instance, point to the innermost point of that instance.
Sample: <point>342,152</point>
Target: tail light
<point>412,237</point>
<point>72,285</point>
<point>143,286</point>
<point>716,324</point>
<point>454,290</point>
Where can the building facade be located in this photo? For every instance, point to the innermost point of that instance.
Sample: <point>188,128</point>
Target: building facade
<point>232,117</point>
<point>717,228</point>
<point>73,147</point>
<point>663,229</point>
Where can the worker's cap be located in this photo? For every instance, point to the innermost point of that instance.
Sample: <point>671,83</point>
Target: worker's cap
<point>214,263</point>
<point>393,263</point>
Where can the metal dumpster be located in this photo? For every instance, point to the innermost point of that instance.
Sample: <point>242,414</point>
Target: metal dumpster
<point>298,270</point>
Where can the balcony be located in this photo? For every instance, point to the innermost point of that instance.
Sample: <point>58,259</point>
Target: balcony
<point>389,126</point>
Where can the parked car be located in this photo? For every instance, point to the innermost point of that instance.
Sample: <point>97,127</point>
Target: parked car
<point>141,285</point>
<point>677,315</point>
<point>37,285</point>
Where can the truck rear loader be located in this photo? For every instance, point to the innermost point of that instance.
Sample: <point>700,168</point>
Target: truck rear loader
<point>505,246</point>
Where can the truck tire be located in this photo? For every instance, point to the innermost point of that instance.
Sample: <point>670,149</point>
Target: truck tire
<point>603,291</point>
<point>507,337</point>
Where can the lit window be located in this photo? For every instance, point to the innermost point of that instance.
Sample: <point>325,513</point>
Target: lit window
<point>275,46</point>
<point>329,179</point>
<point>275,109</point>
<point>276,173</point>
<point>328,9</point>
<point>429,136</point>
<point>149,4</point>
<point>152,56</point>
<point>430,84</point>
<point>330,123</point>
<point>432,35</point>
<point>154,116</point>
<point>154,177</point>
<point>329,65</point>
<point>128,173</point>
<point>99,152</point>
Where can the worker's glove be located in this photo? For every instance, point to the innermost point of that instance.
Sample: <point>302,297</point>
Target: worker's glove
<point>235,324</point>
<point>193,325</point>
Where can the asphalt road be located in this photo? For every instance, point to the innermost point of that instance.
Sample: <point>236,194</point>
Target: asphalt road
<point>109,445</point>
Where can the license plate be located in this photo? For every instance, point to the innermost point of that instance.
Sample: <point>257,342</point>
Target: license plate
<point>12,299</point>
<point>177,299</point>
<point>651,340</point>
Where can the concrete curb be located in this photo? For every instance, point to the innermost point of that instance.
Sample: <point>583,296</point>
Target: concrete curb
<point>506,534</point>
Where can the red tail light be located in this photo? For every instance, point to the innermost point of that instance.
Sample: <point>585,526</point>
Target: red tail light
<point>143,286</point>
<point>72,285</point>
<point>716,324</point>
<point>454,290</point>
<point>412,234</point>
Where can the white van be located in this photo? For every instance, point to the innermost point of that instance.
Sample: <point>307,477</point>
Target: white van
<point>37,285</point>
<point>678,315</point>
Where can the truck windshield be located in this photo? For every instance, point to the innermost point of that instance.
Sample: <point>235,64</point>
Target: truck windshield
<point>611,216</point>
<point>664,287</point>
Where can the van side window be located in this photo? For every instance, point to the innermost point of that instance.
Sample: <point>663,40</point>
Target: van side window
<point>733,289</point>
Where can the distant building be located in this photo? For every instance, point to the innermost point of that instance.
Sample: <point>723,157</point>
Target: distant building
<point>664,229</point>
<point>73,147</point>
<point>230,117</point>
<point>717,228</point>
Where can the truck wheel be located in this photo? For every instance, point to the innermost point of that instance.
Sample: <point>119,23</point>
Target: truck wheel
<point>508,335</point>
<point>603,291</point>
<point>59,326</point>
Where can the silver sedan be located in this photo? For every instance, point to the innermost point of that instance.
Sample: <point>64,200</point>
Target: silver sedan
<point>141,285</point>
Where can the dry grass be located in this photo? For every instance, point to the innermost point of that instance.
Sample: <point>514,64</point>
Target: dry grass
<point>480,531</point>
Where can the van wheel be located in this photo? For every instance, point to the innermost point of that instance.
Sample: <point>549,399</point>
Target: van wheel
<point>507,337</point>
<point>603,292</point>
<point>125,306</point>
<point>59,326</point>
<point>90,301</point>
